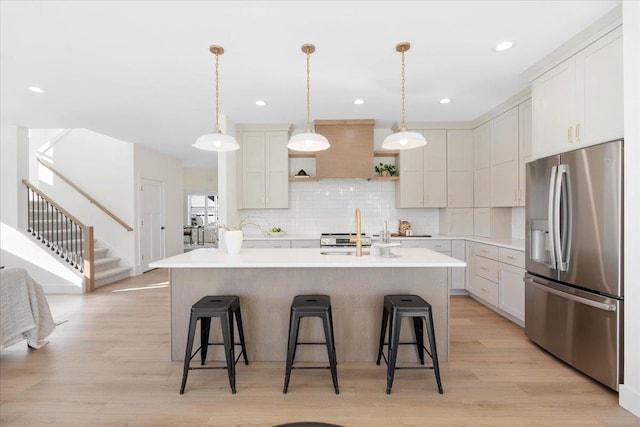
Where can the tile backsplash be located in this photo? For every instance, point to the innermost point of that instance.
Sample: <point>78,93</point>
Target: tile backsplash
<point>329,206</point>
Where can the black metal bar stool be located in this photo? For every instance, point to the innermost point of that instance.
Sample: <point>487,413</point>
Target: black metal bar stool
<point>311,306</point>
<point>223,307</point>
<point>397,307</point>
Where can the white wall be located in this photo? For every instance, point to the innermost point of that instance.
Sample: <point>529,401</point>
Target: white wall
<point>17,250</point>
<point>102,167</point>
<point>150,164</point>
<point>630,391</point>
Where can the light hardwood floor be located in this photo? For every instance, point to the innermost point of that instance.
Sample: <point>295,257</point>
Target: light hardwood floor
<point>108,365</point>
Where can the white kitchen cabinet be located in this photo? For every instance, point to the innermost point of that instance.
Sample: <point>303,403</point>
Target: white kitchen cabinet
<point>482,165</point>
<point>460,168</point>
<point>492,222</point>
<point>469,280</point>
<point>524,147</point>
<point>307,243</point>
<point>423,173</point>
<point>511,282</point>
<point>263,175</point>
<point>457,275</point>
<point>579,102</point>
<point>266,243</point>
<point>504,159</point>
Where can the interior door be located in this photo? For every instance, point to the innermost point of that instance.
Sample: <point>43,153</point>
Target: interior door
<point>151,222</point>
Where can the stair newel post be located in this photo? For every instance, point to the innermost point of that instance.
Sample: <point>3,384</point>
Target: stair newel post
<point>88,258</point>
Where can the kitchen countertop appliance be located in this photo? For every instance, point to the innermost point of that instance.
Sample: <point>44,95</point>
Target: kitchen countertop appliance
<point>574,287</point>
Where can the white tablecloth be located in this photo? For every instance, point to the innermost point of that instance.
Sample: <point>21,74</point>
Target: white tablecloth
<point>24,311</point>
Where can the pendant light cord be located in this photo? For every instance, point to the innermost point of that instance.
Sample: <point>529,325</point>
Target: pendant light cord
<point>217,130</point>
<point>402,124</point>
<point>308,130</point>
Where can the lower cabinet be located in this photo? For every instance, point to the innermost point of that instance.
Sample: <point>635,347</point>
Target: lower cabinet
<point>266,243</point>
<point>498,279</point>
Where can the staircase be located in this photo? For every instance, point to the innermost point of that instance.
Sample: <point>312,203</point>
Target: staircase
<point>108,269</point>
<point>69,239</point>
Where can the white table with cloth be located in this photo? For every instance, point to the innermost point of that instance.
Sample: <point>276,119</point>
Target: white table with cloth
<point>24,310</point>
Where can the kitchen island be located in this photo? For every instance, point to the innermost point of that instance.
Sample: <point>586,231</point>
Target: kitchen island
<point>266,280</point>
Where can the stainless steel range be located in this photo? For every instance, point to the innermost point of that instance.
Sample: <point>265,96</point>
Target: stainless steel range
<point>342,240</point>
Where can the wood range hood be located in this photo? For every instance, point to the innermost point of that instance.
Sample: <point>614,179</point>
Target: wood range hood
<point>351,152</point>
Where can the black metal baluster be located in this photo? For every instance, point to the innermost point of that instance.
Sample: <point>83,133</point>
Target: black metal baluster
<point>81,253</point>
<point>47,205</point>
<point>68,239</point>
<point>38,218</point>
<point>29,228</point>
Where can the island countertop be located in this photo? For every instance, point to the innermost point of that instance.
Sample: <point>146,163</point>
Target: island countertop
<point>304,258</point>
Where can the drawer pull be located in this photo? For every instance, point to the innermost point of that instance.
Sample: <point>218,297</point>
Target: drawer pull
<point>512,257</point>
<point>484,268</point>
<point>484,290</point>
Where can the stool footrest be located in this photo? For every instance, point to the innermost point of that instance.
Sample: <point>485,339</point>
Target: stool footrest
<point>311,343</point>
<point>311,367</point>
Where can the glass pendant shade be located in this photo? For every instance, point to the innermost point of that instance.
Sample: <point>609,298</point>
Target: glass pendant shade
<point>216,142</point>
<point>404,140</point>
<point>308,141</point>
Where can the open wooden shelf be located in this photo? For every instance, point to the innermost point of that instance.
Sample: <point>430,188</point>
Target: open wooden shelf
<point>298,179</point>
<point>305,154</point>
<point>386,153</point>
<point>384,178</point>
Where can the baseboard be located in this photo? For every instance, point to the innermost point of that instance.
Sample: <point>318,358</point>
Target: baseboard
<point>629,399</point>
<point>61,288</point>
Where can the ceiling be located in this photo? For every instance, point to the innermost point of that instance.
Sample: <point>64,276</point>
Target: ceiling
<point>141,71</point>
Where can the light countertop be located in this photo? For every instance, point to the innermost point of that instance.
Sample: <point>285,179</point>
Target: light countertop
<point>505,242</point>
<point>303,258</point>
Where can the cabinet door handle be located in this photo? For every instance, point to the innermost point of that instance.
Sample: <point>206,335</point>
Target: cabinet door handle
<point>570,134</point>
<point>578,132</point>
<point>515,194</point>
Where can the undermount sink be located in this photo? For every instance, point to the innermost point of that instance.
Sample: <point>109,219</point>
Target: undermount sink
<point>353,253</point>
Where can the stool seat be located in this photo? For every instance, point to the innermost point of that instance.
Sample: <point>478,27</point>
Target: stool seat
<point>311,306</point>
<point>395,308</point>
<point>224,307</point>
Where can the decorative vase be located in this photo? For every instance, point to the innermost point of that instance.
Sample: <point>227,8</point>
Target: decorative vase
<point>233,241</point>
<point>384,173</point>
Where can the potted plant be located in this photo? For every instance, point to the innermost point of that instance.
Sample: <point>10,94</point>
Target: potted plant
<point>385,169</point>
<point>233,236</point>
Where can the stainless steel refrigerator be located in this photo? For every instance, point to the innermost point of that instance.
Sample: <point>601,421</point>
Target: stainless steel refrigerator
<point>574,288</point>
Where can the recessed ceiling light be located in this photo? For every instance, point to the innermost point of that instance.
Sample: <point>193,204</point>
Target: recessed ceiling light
<point>502,46</point>
<point>358,101</point>
<point>261,103</point>
<point>36,89</point>
<point>445,100</point>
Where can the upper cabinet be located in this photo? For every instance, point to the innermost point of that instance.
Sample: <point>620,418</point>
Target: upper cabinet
<point>459,168</point>
<point>579,102</point>
<point>504,159</point>
<point>482,166</point>
<point>263,168</point>
<point>524,147</point>
<point>423,181</point>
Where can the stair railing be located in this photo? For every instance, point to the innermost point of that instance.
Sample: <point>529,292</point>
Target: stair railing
<point>61,232</point>
<point>87,196</point>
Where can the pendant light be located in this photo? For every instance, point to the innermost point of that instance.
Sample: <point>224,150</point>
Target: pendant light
<point>403,139</point>
<point>309,140</point>
<point>217,141</point>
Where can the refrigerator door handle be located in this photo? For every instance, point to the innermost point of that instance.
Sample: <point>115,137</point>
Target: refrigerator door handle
<point>551,216</point>
<point>580,300</point>
<point>557,235</point>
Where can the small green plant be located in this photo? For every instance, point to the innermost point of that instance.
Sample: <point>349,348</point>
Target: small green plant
<point>385,169</point>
